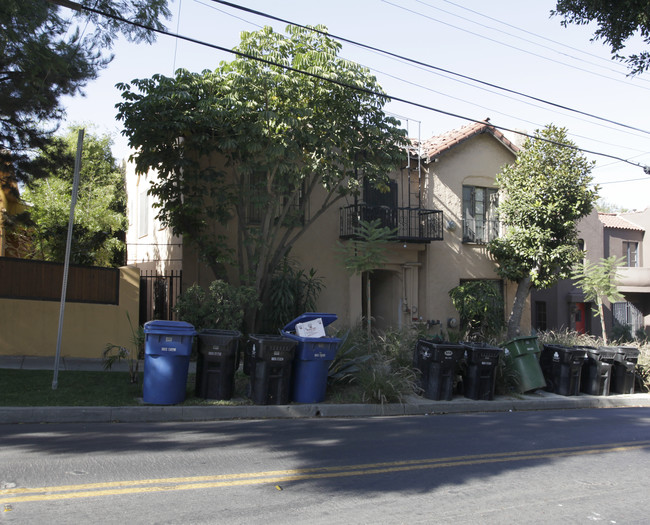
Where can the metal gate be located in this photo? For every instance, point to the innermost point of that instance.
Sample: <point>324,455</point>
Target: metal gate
<point>626,313</point>
<point>158,295</point>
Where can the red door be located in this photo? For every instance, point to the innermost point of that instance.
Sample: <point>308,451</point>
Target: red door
<point>580,318</point>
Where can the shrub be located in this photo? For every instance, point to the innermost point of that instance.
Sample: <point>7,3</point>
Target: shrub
<point>222,306</point>
<point>567,338</point>
<point>380,366</point>
<point>642,378</point>
<point>293,292</point>
<point>480,306</point>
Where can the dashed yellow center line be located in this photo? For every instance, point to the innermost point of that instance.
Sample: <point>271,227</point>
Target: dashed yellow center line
<point>114,488</point>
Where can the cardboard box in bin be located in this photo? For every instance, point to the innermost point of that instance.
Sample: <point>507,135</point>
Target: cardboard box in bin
<point>313,328</point>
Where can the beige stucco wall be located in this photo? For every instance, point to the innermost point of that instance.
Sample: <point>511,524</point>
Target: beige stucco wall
<point>475,162</point>
<point>148,245</point>
<point>416,279</point>
<point>30,328</point>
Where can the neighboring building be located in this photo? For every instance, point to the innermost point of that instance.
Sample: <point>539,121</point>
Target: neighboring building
<point>441,202</point>
<point>153,249</point>
<point>602,235</point>
<point>149,245</point>
<point>563,306</point>
<point>634,278</point>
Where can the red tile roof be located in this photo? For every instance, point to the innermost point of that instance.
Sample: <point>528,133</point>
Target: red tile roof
<point>612,220</point>
<point>436,146</point>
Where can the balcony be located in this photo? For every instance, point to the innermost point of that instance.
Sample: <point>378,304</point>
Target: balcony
<point>634,280</point>
<point>415,225</point>
<point>480,231</point>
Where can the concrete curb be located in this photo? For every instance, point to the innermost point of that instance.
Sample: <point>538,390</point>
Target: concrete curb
<point>414,406</point>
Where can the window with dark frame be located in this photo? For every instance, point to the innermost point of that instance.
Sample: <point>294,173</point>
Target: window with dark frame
<point>631,254</point>
<point>479,214</point>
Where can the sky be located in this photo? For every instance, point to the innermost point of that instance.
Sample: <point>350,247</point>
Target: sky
<point>513,45</point>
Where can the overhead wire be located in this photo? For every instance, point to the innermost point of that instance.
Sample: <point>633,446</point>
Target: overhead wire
<point>542,37</point>
<point>550,48</point>
<point>75,5</point>
<point>501,43</point>
<point>426,65</point>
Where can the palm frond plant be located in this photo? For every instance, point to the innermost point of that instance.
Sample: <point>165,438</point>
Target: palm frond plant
<point>114,353</point>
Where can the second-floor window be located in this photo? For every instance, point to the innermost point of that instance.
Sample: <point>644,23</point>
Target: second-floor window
<point>631,254</point>
<point>480,223</point>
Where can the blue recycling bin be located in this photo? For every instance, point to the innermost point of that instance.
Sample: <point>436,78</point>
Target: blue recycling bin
<point>167,350</point>
<point>311,360</point>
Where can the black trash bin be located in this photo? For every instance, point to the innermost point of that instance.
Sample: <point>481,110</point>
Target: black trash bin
<point>562,367</point>
<point>438,364</point>
<point>595,378</point>
<point>271,358</point>
<point>217,360</point>
<point>623,369</point>
<point>480,375</point>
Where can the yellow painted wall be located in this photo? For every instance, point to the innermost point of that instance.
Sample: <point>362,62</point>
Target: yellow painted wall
<point>30,328</point>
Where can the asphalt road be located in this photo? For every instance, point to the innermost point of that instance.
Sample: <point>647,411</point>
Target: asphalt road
<point>572,466</point>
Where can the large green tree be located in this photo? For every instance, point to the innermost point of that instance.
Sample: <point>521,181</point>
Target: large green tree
<point>253,142</point>
<point>618,22</point>
<point>46,52</point>
<point>544,194</point>
<point>100,213</point>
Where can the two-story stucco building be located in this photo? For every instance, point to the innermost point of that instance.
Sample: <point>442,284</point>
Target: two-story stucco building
<point>442,204</point>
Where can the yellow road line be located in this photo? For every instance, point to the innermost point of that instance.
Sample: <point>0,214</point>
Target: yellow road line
<point>282,476</point>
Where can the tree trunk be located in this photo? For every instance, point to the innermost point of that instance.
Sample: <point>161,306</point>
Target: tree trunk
<point>514,322</point>
<point>368,303</point>
<point>601,314</point>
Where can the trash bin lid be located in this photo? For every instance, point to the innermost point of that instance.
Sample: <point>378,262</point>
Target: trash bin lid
<point>521,346</point>
<point>216,331</point>
<point>169,327</point>
<point>310,316</point>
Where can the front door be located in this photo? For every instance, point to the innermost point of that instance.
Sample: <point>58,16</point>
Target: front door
<point>579,318</point>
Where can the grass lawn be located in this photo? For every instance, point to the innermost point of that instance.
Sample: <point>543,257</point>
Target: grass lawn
<point>34,388</point>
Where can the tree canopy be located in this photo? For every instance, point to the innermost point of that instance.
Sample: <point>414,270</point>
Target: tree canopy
<point>253,142</point>
<point>618,22</point>
<point>45,55</point>
<point>100,213</point>
<point>545,193</point>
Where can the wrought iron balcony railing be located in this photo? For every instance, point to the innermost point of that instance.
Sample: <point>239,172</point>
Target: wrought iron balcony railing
<point>416,225</point>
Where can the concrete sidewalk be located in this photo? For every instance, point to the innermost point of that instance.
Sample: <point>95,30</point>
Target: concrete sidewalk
<point>414,405</point>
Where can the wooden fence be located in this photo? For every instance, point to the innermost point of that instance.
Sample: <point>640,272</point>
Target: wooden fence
<point>42,281</point>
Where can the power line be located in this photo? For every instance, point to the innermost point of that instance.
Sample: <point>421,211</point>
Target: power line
<point>424,64</point>
<point>507,45</point>
<point>427,88</point>
<point>77,6</point>
<point>560,52</point>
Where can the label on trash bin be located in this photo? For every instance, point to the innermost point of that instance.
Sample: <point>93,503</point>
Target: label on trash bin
<point>277,358</point>
<point>556,356</point>
<point>219,354</point>
<point>169,339</point>
<point>168,349</point>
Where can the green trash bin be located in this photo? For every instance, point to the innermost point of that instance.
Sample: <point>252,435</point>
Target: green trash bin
<point>522,353</point>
